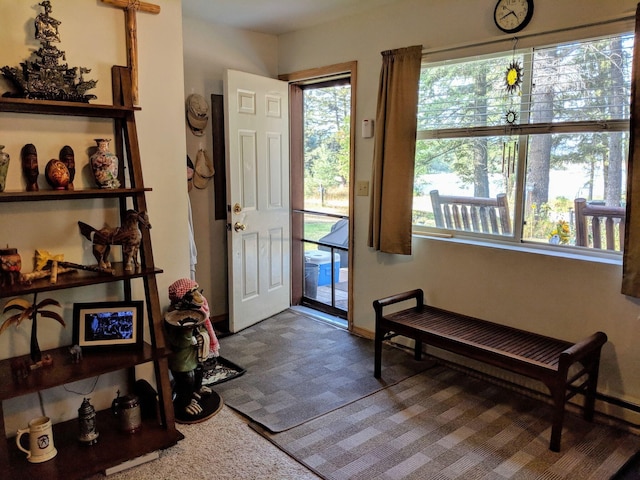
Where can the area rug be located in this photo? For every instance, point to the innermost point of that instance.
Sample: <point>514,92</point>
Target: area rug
<point>298,368</point>
<point>444,424</point>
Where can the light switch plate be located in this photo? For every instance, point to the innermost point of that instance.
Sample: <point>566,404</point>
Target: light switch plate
<point>362,188</point>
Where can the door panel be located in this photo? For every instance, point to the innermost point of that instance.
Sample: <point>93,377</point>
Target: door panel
<point>256,120</point>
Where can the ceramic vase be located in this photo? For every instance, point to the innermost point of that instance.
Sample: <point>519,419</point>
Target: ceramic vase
<point>104,165</point>
<point>57,174</point>
<point>4,167</point>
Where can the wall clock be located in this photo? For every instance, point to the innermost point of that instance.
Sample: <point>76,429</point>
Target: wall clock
<point>511,16</point>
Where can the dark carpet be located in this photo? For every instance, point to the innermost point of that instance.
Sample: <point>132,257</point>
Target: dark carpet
<point>444,424</point>
<point>298,368</point>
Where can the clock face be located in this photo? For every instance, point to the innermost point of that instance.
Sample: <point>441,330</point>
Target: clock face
<point>513,15</point>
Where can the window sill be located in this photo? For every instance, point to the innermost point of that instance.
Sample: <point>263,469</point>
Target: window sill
<point>531,248</point>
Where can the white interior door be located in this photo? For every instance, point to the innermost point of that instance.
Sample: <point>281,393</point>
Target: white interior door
<point>257,139</point>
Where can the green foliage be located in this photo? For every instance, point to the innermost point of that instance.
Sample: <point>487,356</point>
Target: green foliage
<point>326,137</point>
<point>546,220</point>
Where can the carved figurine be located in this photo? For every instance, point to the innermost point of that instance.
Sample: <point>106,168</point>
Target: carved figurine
<point>43,77</point>
<point>57,174</point>
<point>10,265</point>
<point>29,157</point>
<point>192,342</point>
<point>128,235</point>
<point>68,158</point>
<point>76,353</point>
<point>28,310</point>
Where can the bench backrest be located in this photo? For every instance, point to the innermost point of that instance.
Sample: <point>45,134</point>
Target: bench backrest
<point>472,214</point>
<point>594,221</point>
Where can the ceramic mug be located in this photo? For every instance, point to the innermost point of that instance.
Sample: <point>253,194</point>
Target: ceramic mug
<point>41,446</point>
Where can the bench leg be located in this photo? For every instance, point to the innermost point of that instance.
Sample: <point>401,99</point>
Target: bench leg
<point>377,356</point>
<point>592,385</point>
<point>558,394</point>
<point>417,353</point>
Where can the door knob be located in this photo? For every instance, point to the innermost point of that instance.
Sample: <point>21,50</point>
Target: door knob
<point>239,226</point>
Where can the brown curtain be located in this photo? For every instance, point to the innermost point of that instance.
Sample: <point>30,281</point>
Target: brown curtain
<point>631,257</point>
<point>394,151</point>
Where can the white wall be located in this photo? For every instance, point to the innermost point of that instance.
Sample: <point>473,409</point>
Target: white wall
<point>92,35</point>
<point>208,51</point>
<point>551,295</point>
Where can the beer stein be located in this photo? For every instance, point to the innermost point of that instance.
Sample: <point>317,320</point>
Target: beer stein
<point>41,446</point>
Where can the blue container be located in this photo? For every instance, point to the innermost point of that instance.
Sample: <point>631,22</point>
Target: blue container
<point>323,260</point>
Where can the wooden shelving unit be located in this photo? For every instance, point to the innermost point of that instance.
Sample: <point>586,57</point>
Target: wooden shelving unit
<point>74,460</point>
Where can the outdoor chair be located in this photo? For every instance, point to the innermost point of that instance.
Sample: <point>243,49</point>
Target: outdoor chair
<point>472,214</point>
<point>593,220</point>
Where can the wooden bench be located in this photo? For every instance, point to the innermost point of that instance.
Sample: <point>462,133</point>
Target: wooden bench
<point>472,214</point>
<point>535,356</point>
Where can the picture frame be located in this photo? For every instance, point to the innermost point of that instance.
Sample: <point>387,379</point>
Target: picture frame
<point>107,325</point>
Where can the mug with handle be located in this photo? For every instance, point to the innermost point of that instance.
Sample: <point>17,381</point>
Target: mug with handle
<point>41,446</point>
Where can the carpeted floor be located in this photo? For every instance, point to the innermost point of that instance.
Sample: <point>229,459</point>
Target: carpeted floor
<point>298,368</point>
<point>440,424</point>
<point>444,424</point>
<point>221,448</point>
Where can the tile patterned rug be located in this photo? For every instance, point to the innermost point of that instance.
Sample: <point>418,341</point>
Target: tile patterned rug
<point>298,368</point>
<point>443,424</point>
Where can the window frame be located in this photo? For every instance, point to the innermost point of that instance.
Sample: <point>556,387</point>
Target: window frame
<point>523,131</point>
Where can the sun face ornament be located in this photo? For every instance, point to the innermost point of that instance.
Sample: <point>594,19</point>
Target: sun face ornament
<point>513,77</point>
<point>511,116</point>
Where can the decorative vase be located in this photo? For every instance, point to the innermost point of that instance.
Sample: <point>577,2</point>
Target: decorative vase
<point>4,167</point>
<point>104,165</point>
<point>57,174</point>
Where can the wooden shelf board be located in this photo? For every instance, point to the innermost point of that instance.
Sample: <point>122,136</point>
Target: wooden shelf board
<point>63,370</point>
<point>78,278</point>
<point>79,109</point>
<point>43,195</point>
<point>76,461</point>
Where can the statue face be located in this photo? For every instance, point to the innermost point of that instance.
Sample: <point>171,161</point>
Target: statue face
<point>67,157</point>
<point>30,162</point>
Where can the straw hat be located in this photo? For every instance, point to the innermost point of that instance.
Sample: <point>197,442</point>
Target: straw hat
<point>204,169</point>
<point>197,114</point>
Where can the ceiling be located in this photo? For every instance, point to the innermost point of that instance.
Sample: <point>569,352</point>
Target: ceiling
<point>275,17</point>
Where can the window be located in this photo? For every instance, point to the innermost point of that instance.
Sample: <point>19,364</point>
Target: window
<point>507,143</point>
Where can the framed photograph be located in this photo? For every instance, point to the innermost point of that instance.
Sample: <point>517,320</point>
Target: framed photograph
<point>108,324</point>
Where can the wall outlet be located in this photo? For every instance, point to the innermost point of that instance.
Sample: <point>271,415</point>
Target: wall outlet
<point>362,188</point>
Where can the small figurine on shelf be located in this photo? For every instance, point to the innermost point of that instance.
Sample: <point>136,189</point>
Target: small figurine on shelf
<point>10,265</point>
<point>128,235</point>
<point>57,174</point>
<point>76,353</point>
<point>32,310</point>
<point>68,158</point>
<point>29,157</point>
<point>42,76</point>
<point>187,326</point>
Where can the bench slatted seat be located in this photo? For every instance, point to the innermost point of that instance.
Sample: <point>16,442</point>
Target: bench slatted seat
<point>542,358</point>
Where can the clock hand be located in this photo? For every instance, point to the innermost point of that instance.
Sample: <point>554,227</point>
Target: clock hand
<point>511,12</point>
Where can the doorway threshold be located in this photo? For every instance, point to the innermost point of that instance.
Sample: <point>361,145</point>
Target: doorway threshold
<point>325,317</point>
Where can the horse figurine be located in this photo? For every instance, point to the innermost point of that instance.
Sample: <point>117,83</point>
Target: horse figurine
<point>128,235</point>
